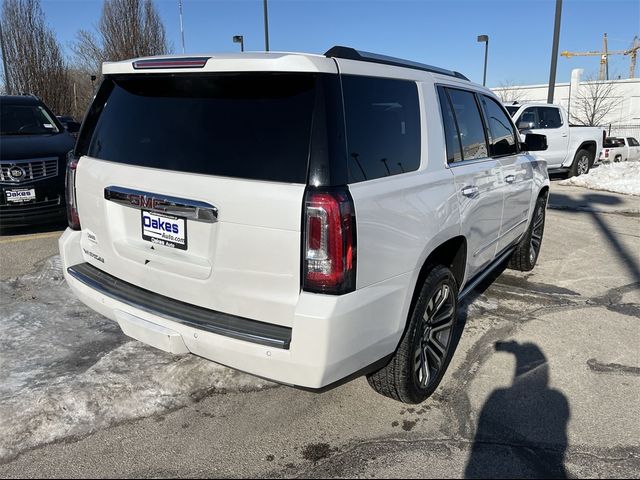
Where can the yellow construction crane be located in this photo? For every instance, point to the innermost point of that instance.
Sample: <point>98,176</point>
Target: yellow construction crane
<point>604,57</point>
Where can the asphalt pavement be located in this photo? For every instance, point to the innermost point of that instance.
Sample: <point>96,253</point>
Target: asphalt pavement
<point>545,382</point>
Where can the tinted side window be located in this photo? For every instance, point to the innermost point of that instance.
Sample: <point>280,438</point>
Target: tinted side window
<point>549,118</point>
<point>451,135</point>
<point>502,140</point>
<point>470,126</point>
<point>530,115</point>
<point>622,141</point>
<point>633,142</point>
<point>382,117</point>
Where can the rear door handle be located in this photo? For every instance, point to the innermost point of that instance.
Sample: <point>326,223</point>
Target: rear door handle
<point>470,191</point>
<point>510,178</point>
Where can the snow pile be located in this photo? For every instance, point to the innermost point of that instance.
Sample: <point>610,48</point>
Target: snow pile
<point>66,371</point>
<point>623,177</point>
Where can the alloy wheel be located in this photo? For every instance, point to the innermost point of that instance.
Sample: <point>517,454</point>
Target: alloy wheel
<point>583,164</point>
<point>536,234</point>
<point>437,324</point>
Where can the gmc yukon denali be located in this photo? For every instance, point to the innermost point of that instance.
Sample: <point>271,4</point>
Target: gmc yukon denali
<point>303,218</point>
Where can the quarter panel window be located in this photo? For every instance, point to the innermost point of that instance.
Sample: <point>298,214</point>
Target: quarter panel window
<point>382,119</point>
<point>451,135</point>
<point>502,140</point>
<point>470,126</point>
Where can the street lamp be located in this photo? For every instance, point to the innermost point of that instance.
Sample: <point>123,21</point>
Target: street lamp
<point>485,39</point>
<point>239,39</point>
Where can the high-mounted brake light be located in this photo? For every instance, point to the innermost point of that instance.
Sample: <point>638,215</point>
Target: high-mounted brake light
<point>329,242</point>
<point>185,62</point>
<point>70,189</point>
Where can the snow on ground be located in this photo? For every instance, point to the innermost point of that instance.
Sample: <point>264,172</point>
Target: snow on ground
<point>66,371</point>
<point>623,177</point>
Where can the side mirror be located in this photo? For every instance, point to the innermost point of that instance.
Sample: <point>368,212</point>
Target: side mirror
<point>534,142</point>
<point>524,125</point>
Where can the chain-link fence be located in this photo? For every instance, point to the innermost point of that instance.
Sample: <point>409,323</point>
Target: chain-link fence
<point>623,131</point>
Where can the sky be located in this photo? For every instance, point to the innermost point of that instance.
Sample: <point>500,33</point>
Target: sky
<point>441,33</point>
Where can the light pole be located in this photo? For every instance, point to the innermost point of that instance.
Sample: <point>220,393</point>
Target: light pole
<point>181,25</point>
<point>266,27</point>
<point>485,39</point>
<point>554,51</point>
<point>239,39</point>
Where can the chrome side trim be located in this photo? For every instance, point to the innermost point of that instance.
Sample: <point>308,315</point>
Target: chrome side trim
<point>232,326</point>
<point>524,220</point>
<point>181,207</point>
<point>480,277</point>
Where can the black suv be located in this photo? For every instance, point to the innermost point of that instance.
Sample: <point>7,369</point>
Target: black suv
<point>33,150</point>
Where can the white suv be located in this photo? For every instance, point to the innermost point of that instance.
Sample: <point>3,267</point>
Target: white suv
<point>303,218</point>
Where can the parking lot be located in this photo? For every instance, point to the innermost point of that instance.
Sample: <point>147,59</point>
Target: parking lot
<point>544,383</point>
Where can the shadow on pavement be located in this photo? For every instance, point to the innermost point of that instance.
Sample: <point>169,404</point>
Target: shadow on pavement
<point>593,200</point>
<point>522,429</point>
<point>32,229</point>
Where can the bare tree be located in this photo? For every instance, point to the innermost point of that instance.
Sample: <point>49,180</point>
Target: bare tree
<point>509,92</point>
<point>33,59</point>
<point>594,101</point>
<point>127,29</point>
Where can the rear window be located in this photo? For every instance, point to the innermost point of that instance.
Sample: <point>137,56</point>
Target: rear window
<point>254,126</point>
<point>611,142</point>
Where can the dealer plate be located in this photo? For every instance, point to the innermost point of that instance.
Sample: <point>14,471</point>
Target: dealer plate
<point>162,229</point>
<point>20,195</point>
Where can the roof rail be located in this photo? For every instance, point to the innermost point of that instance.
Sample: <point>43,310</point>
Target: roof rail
<point>353,54</point>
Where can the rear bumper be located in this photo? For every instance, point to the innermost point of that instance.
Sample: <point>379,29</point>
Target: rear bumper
<point>331,337</point>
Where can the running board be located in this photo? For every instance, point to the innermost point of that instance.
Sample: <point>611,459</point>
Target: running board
<point>480,277</point>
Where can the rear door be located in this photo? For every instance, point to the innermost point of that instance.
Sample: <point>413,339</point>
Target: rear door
<point>191,186</point>
<point>477,176</point>
<point>517,172</point>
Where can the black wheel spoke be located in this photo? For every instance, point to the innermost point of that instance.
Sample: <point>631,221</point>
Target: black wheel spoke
<point>437,357</point>
<point>442,317</point>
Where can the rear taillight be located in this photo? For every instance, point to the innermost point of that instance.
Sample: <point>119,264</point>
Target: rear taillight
<point>70,189</point>
<point>329,242</point>
<point>606,152</point>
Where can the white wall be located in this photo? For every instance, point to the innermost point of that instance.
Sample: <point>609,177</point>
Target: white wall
<point>627,113</point>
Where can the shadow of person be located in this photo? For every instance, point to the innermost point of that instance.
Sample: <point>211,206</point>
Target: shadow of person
<point>522,429</point>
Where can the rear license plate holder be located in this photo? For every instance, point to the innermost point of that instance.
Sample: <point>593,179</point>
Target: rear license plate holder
<point>161,229</point>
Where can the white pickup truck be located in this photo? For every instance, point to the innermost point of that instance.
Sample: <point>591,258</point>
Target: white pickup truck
<point>620,149</point>
<point>572,149</point>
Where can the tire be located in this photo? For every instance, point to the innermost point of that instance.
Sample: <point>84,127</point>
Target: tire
<point>527,251</point>
<point>427,344</point>
<point>581,163</point>
<point>618,158</point>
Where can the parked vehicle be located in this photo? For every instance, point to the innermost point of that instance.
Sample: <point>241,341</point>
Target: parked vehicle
<point>33,152</point>
<point>302,218</point>
<point>571,149</point>
<point>620,149</point>
<point>70,124</point>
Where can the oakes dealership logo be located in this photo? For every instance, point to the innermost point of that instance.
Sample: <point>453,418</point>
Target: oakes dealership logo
<point>159,224</point>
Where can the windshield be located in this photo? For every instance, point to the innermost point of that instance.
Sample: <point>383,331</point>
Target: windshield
<point>26,120</point>
<point>512,110</point>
